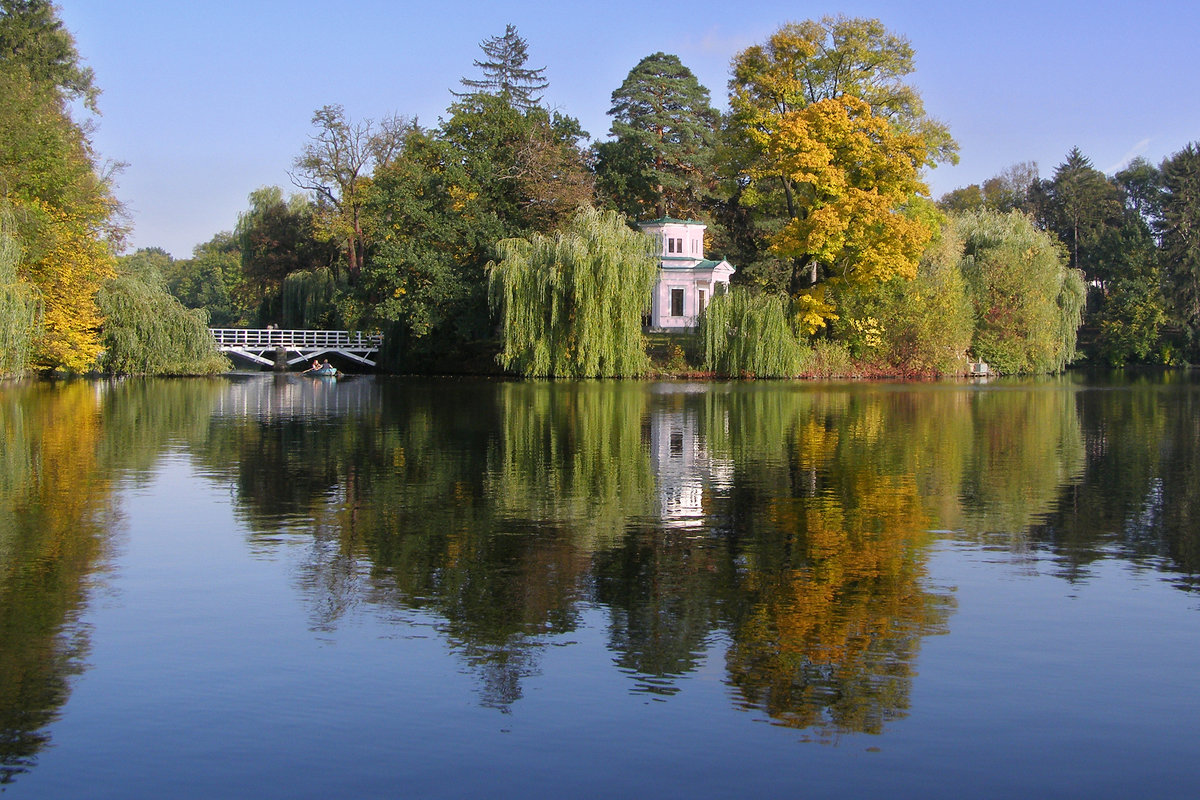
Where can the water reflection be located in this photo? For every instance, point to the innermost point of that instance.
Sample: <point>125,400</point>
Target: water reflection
<point>64,449</point>
<point>783,528</point>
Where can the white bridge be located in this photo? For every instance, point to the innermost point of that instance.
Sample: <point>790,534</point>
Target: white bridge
<point>260,345</point>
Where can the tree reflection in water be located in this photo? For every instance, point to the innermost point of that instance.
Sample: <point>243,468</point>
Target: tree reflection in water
<point>64,447</point>
<point>786,526</point>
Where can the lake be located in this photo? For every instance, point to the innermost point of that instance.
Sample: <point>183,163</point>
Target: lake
<point>275,586</point>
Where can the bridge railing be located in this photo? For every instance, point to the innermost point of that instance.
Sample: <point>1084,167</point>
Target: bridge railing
<point>283,337</point>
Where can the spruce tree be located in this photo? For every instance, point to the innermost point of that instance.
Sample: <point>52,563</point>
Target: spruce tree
<point>505,73</point>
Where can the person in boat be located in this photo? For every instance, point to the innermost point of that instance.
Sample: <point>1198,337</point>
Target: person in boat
<point>316,365</point>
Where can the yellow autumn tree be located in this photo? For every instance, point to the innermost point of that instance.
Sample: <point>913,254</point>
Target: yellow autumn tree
<point>63,214</point>
<point>852,173</point>
<point>828,135</point>
<point>72,265</point>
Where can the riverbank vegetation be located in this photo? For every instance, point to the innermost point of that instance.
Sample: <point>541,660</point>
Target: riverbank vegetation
<point>451,238</point>
<point>63,304</point>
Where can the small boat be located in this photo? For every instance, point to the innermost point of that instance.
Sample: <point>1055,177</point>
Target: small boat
<point>324,372</point>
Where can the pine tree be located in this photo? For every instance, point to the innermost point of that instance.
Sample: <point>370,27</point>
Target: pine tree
<point>504,72</point>
<point>665,129</point>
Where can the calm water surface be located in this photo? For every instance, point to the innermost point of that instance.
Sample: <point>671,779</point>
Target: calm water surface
<point>270,587</point>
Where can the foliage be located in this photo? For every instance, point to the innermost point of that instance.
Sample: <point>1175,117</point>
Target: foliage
<point>1003,193</point>
<point>851,174</point>
<point>32,36</point>
<point>1180,235</point>
<point>1104,226</point>
<point>308,299</point>
<point>922,326</point>
<point>151,264</point>
<point>212,280</point>
<point>829,137</point>
<point>571,304</point>
<point>829,359</point>
<point>19,317</point>
<point>1028,304</point>
<point>148,332</point>
<point>747,334</point>
<point>276,238</point>
<point>63,215</point>
<point>803,64</point>
<point>525,165</point>
<point>1141,185</point>
<point>665,134</point>
<point>1080,206</point>
<point>68,275</point>
<point>1130,310</point>
<point>335,167</point>
<point>504,72</point>
<point>434,236</point>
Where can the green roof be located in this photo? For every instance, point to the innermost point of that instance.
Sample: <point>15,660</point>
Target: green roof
<point>706,264</point>
<point>670,220</point>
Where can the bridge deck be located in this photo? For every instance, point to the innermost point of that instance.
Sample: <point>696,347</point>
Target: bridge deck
<point>259,344</point>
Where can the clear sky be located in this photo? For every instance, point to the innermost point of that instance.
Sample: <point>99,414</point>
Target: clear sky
<point>207,101</point>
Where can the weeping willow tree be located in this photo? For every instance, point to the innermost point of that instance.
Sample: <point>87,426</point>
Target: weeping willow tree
<point>748,334</point>
<point>18,305</point>
<point>571,304</point>
<point>148,332</point>
<point>1028,304</point>
<point>308,298</point>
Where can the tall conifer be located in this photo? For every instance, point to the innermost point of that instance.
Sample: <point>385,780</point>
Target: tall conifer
<point>505,73</point>
<point>665,130</point>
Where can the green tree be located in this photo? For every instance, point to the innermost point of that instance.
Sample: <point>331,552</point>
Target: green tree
<point>1105,230</point>
<point>151,264</point>
<point>1179,230</point>
<point>1141,184</point>
<point>505,74</point>
<point>18,303</point>
<point>918,327</point>
<point>527,165</point>
<point>1028,303</point>
<point>212,280</point>
<point>571,304</point>
<point>335,166</point>
<point>1080,206</point>
<point>1003,193</point>
<point>664,130</point>
<point>32,36</point>
<point>434,235</point>
<point>276,237</point>
<point>747,334</point>
<point>147,331</point>
<point>65,218</point>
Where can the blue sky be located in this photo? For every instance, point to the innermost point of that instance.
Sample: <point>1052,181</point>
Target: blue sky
<point>206,102</point>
